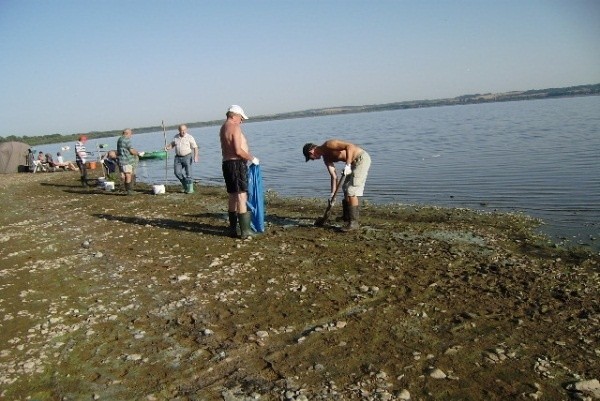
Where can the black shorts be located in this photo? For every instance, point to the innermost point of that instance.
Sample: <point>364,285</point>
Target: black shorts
<point>235,173</point>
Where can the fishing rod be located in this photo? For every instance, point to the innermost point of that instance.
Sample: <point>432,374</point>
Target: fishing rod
<point>165,147</point>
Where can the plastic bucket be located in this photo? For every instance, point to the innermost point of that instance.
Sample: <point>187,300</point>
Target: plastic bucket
<point>158,189</point>
<point>91,165</point>
<point>101,181</point>
<point>109,185</point>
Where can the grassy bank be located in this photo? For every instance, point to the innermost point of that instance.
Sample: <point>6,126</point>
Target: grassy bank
<point>113,297</point>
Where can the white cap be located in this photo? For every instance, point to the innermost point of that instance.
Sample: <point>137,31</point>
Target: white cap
<point>234,108</point>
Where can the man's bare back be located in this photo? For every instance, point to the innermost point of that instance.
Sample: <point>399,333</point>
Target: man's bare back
<point>335,150</point>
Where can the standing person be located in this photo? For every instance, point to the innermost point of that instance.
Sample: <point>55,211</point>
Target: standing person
<point>234,148</point>
<point>356,170</point>
<point>34,164</point>
<point>127,159</point>
<point>80,158</point>
<point>184,145</point>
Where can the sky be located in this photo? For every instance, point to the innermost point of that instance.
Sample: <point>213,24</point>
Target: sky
<point>76,66</point>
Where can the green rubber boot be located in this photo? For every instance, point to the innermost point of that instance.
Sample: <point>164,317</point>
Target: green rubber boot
<point>189,187</point>
<point>245,229</point>
<point>129,188</point>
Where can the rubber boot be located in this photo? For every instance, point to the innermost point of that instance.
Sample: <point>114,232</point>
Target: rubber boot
<point>183,185</point>
<point>233,220</point>
<point>129,189</point>
<point>345,213</point>
<point>189,187</point>
<point>245,229</point>
<point>84,181</point>
<point>353,223</point>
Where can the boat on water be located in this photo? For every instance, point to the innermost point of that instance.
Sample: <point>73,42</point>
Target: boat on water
<point>158,154</point>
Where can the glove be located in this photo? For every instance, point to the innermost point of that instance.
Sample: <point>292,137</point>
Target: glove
<point>347,169</point>
<point>141,153</point>
<point>255,161</point>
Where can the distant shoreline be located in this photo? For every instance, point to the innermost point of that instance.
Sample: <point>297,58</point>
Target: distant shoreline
<point>571,91</point>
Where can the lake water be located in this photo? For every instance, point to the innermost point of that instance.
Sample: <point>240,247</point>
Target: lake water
<point>540,157</point>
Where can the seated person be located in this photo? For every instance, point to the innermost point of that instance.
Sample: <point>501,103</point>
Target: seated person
<point>60,162</point>
<point>50,162</point>
<point>40,162</point>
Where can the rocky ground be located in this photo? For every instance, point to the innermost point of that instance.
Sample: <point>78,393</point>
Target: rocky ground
<point>112,297</point>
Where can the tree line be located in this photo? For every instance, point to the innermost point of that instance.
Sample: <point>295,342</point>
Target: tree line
<point>580,90</point>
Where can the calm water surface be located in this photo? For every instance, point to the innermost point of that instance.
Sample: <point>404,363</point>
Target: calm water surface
<point>539,157</point>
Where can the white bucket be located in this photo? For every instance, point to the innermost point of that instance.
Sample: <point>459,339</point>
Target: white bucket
<point>101,181</point>
<point>158,189</point>
<point>109,185</point>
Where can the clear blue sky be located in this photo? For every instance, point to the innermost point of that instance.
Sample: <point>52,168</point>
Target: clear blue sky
<point>71,66</point>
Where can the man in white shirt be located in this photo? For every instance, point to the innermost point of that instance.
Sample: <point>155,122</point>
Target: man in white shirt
<point>185,145</point>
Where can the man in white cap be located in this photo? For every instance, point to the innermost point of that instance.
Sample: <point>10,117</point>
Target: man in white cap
<point>236,154</point>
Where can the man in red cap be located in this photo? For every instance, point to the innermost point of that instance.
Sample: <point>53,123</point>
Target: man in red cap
<point>80,156</point>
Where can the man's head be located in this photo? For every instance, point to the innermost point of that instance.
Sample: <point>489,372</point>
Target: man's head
<point>235,109</point>
<point>309,151</point>
<point>127,132</point>
<point>182,130</point>
<point>82,138</point>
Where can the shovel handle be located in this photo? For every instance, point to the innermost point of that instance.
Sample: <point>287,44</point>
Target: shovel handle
<point>325,217</point>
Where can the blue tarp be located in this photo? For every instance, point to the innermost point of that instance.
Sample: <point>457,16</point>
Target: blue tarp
<point>256,198</point>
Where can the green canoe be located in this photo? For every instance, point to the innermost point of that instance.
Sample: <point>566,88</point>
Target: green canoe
<point>159,154</point>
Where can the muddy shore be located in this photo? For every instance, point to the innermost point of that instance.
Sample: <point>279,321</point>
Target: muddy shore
<point>112,297</point>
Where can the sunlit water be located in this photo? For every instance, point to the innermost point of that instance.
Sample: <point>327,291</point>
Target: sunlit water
<point>539,157</point>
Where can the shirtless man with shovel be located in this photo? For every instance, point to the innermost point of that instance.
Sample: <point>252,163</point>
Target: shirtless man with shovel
<point>352,180</point>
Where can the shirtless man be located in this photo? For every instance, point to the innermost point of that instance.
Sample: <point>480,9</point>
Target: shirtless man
<point>356,170</point>
<point>234,148</point>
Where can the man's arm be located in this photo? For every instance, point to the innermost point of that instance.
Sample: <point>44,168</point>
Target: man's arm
<point>332,175</point>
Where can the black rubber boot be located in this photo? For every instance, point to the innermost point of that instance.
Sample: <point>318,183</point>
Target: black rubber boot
<point>233,220</point>
<point>245,229</point>
<point>352,224</point>
<point>345,210</point>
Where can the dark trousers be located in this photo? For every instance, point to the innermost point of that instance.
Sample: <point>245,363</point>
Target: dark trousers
<point>82,170</point>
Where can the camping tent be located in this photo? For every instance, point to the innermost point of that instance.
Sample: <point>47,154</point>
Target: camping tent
<point>13,155</point>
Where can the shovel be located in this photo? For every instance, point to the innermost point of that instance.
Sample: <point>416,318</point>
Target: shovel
<point>322,220</point>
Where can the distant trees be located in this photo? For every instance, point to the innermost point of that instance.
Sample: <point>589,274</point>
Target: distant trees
<point>581,90</point>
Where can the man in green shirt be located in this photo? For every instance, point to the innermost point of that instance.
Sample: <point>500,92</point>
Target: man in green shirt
<point>127,158</point>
